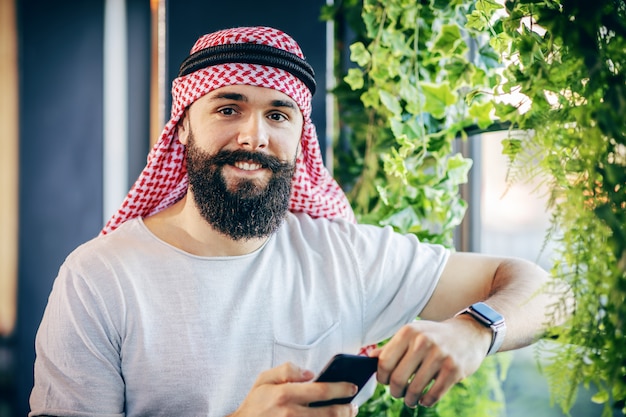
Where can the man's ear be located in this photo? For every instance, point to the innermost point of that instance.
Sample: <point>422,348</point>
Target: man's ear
<point>182,128</point>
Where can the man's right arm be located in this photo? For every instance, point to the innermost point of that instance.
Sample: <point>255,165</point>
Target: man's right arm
<point>78,363</point>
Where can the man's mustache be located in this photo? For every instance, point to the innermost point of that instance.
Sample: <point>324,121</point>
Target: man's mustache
<point>272,163</point>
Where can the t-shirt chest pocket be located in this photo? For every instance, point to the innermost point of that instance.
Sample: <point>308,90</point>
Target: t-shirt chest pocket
<point>307,344</point>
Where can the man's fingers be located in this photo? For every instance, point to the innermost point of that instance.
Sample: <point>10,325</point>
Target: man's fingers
<point>287,390</point>
<point>398,362</point>
<point>447,376</point>
<point>287,372</point>
<point>374,353</point>
<point>410,367</point>
<point>389,356</point>
<point>325,391</point>
<point>402,375</point>
<point>436,370</point>
<point>423,360</point>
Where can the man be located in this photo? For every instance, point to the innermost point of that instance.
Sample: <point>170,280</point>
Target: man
<point>234,270</point>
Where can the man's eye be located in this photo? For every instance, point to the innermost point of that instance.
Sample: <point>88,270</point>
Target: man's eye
<point>227,111</point>
<point>277,117</point>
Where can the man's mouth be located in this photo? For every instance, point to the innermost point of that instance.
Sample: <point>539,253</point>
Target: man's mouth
<point>249,161</point>
<point>247,166</point>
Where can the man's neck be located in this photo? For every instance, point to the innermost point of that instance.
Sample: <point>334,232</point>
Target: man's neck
<point>183,227</point>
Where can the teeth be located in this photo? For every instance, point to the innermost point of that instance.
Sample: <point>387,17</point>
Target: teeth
<point>247,166</point>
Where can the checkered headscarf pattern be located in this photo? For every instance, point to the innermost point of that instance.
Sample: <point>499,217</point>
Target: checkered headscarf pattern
<point>164,179</point>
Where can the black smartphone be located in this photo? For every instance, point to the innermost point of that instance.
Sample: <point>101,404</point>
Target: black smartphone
<point>346,368</point>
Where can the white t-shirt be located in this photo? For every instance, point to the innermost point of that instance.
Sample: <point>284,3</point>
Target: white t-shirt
<point>137,327</point>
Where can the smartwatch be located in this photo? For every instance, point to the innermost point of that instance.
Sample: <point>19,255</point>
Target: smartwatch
<point>488,317</point>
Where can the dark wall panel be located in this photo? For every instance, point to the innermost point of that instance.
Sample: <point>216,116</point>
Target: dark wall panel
<point>138,16</point>
<point>60,69</point>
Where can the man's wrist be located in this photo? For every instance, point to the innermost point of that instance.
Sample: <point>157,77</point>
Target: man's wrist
<point>490,319</point>
<point>484,335</point>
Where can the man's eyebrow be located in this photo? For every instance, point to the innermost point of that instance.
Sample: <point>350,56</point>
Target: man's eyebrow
<point>230,96</point>
<point>283,103</point>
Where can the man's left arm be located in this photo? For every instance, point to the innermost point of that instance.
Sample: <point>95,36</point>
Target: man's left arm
<point>445,347</point>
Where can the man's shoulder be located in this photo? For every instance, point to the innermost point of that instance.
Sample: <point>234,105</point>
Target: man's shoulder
<point>337,229</point>
<point>341,231</point>
<point>127,236</point>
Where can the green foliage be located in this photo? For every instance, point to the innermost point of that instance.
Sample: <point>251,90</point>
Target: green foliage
<point>418,79</point>
<point>568,60</point>
<point>424,74</point>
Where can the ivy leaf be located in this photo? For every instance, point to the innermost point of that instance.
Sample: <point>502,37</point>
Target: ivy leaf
<point>459,70</point>
<point>458,167</point>
<point>506,111</point>
<point>397,126</point>
<point>380,73</point>
<point>410,94</point>
<point>391,102</point>
<point>511,147</point>
<point>500,42</point>
<point>406,146</point>
<point>481,112</point>
<point>600,397</point>
<point>396,42</point>
<point>394,10</point>
<point>437,97</point>
<point>370,98</point>
<point>394,164</point>
<point>488,6</point>
<point>384,195</point>
<point>447,41</point>
<point>402,220</point>
<point>360,54</point>
<point>411,128</point>
<point>354,78</point>
<point>370,20</point>
<point>409,16</point>
<point>476,21</point>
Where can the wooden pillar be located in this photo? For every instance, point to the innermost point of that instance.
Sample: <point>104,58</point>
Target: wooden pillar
<point>8,167</point>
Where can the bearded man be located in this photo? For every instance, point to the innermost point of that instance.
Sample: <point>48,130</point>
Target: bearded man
<point>234,269</point>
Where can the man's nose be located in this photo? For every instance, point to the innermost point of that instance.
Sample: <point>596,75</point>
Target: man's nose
<point>253,133</point>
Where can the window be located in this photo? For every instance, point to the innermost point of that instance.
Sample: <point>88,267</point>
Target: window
<point>512,220</point>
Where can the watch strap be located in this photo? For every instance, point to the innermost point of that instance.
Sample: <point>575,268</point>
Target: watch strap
<point>488,317</point>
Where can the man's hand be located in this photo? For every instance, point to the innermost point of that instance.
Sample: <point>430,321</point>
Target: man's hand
<point>286,391</point>
<point>422,352</point>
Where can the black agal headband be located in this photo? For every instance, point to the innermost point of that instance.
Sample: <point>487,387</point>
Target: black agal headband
<point>250,53</point>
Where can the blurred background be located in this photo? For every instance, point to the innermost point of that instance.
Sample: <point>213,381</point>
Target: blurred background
<point>84,92</point>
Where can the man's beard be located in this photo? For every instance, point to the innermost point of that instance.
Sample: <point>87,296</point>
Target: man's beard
<point>243,210</point>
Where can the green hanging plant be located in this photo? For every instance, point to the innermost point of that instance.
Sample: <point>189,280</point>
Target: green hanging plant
<point>425,75</point>
<point>419,84</point>
<point>568,60</point>
<point>419,80</point>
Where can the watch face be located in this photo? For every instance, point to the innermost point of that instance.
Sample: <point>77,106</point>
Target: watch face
<point>487,312</point>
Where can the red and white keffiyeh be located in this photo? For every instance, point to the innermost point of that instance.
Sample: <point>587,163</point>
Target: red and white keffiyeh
<point>164,179</point>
